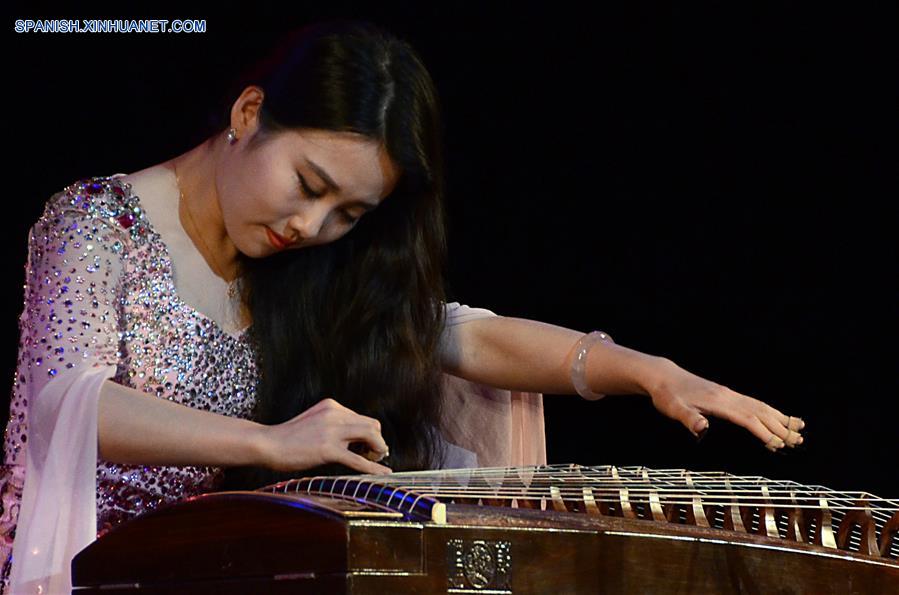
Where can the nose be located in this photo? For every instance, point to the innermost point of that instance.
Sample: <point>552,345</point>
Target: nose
<point>305,226</point>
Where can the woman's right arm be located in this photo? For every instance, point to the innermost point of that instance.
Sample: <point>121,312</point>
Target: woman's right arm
<point>133,427</point>
<point>137,428</point>
<point>73,279</point>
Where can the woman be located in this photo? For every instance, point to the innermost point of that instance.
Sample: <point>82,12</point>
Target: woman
<point>280,288</point>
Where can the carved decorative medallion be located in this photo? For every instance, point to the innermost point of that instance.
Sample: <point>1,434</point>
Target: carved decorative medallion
<point>479,566</point>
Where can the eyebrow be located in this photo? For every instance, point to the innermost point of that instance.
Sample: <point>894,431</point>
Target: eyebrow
<point>333,185</point>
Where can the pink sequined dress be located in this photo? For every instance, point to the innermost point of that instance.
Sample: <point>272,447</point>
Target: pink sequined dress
<point>115,290</point>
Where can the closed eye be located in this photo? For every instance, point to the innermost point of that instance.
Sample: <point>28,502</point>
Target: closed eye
<point>307,190</point>
<point>349,219</point>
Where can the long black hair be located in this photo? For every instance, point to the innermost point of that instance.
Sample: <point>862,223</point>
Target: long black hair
<point>357,319</point>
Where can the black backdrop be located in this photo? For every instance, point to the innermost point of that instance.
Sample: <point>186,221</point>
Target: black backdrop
<point>709,183</point>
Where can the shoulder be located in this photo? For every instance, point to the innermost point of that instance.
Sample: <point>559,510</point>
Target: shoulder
<point>106,203</point>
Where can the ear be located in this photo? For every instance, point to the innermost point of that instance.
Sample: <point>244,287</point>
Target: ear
<point>245,111</point>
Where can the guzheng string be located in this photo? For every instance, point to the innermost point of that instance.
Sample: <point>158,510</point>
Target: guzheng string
<point>676,486</point>
<point>643,492</point>
<point>650,481</point>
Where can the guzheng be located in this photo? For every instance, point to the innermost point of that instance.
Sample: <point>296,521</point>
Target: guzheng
<point>543,529</point>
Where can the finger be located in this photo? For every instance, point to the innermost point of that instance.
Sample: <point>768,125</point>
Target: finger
<point>690,417</point>
<point>795,423</point>
<point>362,464</point>
<point>377,457</point>
<point>363,449</point>
<point>372,438</point>
<point>374,423</point>
<point>780,435</point>
<point>772,441</point>
<point>784,426</point>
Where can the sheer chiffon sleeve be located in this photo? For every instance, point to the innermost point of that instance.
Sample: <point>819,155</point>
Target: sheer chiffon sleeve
<point>70,334</point>
<point>486,426</point>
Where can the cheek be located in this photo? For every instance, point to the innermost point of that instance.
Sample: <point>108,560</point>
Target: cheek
<point>249,205</point>
<point>240,213</point>
<point>258,188</point>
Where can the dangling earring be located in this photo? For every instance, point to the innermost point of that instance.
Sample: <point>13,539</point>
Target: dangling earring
<point>232,136</point>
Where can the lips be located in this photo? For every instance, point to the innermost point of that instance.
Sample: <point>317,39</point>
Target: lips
<point>277,241</point>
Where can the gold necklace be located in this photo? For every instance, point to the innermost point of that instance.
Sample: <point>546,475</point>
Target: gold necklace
<point>232,288</point>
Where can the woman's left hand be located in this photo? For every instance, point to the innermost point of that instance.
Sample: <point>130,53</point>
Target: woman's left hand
<point>688,398</point>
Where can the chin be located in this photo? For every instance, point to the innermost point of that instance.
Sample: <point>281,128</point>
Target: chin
<point>253,250</point>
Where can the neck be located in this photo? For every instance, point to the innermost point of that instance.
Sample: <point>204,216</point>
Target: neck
<point>201,213</point>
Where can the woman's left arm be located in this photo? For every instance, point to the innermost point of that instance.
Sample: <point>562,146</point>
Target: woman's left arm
<point>533,356</point>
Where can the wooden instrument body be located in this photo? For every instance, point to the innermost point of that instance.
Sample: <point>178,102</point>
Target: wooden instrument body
<point>255,542</point>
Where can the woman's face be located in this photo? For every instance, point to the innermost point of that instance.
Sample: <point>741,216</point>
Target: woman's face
<point>284,185</point>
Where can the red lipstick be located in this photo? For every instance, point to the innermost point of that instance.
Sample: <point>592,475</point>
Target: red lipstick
<point>277,241</point>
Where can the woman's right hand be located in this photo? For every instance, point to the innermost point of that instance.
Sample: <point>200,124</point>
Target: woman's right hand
<point>322,434</point>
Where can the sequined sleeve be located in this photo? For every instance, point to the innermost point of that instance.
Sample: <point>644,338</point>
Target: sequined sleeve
<point>75,268</point>
<point>70,336</point>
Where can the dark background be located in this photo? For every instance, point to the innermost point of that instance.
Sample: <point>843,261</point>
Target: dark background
<point>710,183</point>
